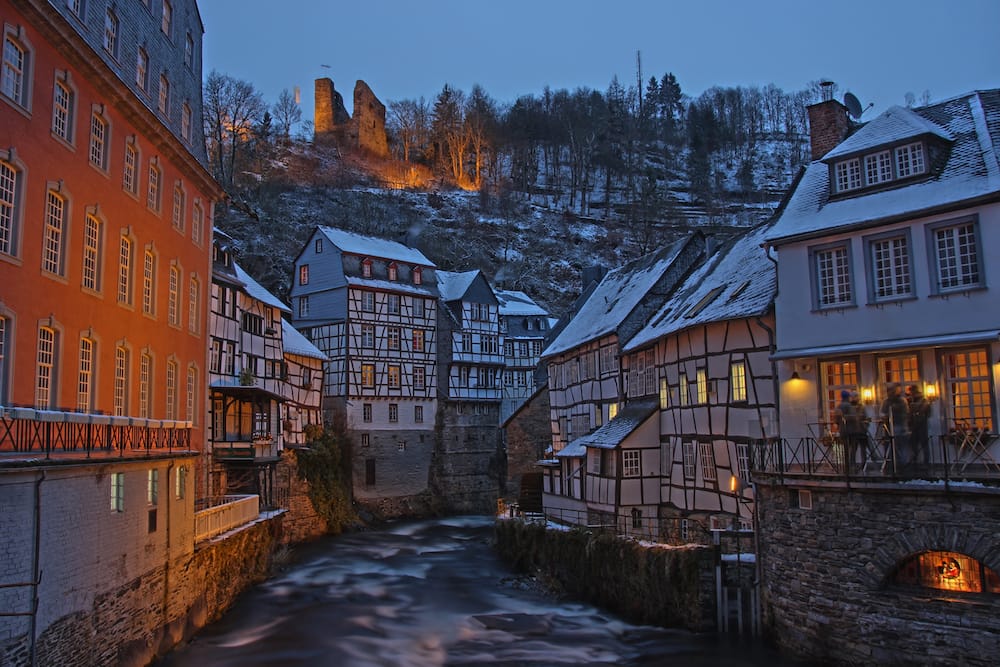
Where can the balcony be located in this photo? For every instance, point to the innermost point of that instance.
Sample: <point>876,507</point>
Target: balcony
<point>258,447</point>
<point>223,514</point>
<point>29,434</point>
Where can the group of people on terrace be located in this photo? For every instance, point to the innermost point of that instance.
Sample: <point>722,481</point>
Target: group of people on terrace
<point>902,427</point>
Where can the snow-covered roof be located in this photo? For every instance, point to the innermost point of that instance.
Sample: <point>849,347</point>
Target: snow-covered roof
<point>255,290</point>
<point>896,124</point>
<point>614,298</point>
<point>611,434</point>
<point>737,281</point>
<point>971,171</point>
<point>452,285</point>
<point>516,304</point>
<point>293,342</point>
<point>390,285</point>
<point>369,246</point>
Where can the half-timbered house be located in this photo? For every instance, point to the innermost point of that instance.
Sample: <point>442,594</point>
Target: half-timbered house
<point>524,325</point>
<point>303,386</point>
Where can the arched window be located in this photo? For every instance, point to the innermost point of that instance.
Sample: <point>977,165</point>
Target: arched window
<point>947,571</point>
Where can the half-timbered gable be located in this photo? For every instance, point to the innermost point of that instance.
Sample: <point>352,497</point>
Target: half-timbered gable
<point>524,325</point>
<point>302,387</point>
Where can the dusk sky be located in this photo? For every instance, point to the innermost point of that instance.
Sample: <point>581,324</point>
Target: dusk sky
<point>877,49</point>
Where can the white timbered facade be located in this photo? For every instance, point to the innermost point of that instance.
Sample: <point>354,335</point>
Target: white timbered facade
<point>303,386</point>
<point>524,325</point>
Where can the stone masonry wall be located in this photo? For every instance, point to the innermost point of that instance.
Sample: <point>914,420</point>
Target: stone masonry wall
<point>827,571</point>
<point>529,432</point>
<point>301,523</point>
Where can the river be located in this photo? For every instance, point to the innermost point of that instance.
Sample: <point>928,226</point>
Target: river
<point>429,593</point>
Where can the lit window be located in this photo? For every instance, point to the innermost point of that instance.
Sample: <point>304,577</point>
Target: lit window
<point>55,224</point>
<point>15,79</point>
<point>130,177</point>
<point>178,209</point>
<point>368,375</point>
<point>418,275</point>
<point>120,394</point>
<point>152,486</point>
<point>125,270</point>
<point>111,33</point>
<point>909,160</point>
<point>117,492</point>
<point>92,246</point>
<point>947,571</point>
<point>197,223</point>
<point>664,394</point>
<point>171,389</point>
<point>164,105</point>
<point>148,283</point>
<point>366,268</point>
<point>85,377</point>
<point>192,395</point>
<point>630,463</point>
<point>738,381</point>
<point>180,483</point>
<point>393,381</point>
<point>63,107</point>
<point>145,373</point>
<point>701,385</point>
<point>194,305</point>
<point>99,141</point>
<point>890,260</point>
<point>45,378</point>
<point>968,385</point>
<point>833,277</point>
<point>173,296</point>
<point>393,338</point>
<point>418,340</point>
<point>153,191</point>
<point>304,274</point>
<point>393,271</point>
<point>142,69</point>
<point>683,393</point>
<point>956,249</point>
<point>848,175</point>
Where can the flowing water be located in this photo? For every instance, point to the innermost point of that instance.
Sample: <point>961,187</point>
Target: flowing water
<point>428,593</point>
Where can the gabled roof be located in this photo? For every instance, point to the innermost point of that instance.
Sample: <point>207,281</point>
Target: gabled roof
<point>293,342</point>
<point>737,281</point>
<point>614,298</point>
<point>896,124</point>
<point>970,172</point>
<point>255,290</point>
<point>369,246</point>
<point>452,286</point>
<point>612,434</point>
<point>518,304</point>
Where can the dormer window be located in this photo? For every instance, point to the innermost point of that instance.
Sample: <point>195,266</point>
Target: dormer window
<point>366,268</point>
<point>848,175</point>
<point>878,167</point>
<point>418,277</point>
<point>909,160</point>
<point>393,271</point>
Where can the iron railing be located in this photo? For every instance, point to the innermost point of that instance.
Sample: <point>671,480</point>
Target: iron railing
<point>62,433</point>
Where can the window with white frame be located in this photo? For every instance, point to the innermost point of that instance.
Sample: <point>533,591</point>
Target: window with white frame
<point>833,277</point>
<point>848,174</point>
<point>142,69</point>
<point>837,376</point>
<point>957,255</point>
<point>15,77</point>
<point>10,182</point>
<point>148,283</point>
<point>417,275</point>
<point>45,375</point>
<point>124,270</point>
<point>393,304</point>
<point>92,250</point>
<point>368,335</point>
<point>145,384</point>
<point>85,377</point>
<point>304,306</point>
<point>743,461</point>
<point>878,168</point>
<point>368,302</point>
<point>738,381</point>
<point>164,101</point>
<point>180,483</point>
<point>393,271</point>
<point>419,378</point>
<point>171,389</point>
<point>707,451</point>
<point>418,308</point>
<point>630,463</point>
<point>53,248</point>
<point>130,176</point>
<point>418,414</point>
<point>418,340</point>
<point>466,341</point>
<point>63,110</point>
<point>174,296</point>
<point>968,388</point>
<point>194,305</point>
<point>701,386</point>
<point>366,268</point>
<point>393,377</point>
<point>4,346</point>
<point>186,122</point>
<point>910,160</point>
<point>153,187</point>
<point>366,412</point>
<point>99,140</point>
<point>120,392</point>
<point>689,453</point>
<point>111,33</point>
<point>890,266</point>
<point>392,336</point>
<point>683,390</point>
<point>177,218</point>
<point>189,51</point>
<point>152,486</point>
<point>368,376</point>
<point>197,222</point>
<point>192,395</point>
<point>117,492</point>
<point>393,412</point>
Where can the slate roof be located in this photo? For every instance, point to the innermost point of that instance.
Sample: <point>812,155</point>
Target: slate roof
<point>391,286</point>
<point>737,281</point>
<point>515,304</point>
<point>452,285</point>
<point>614,298</point>
<point>255,290</point>
<point>369,246</point>
<point>972,170</point>
<point>293,342</point>
<point>611,434</point>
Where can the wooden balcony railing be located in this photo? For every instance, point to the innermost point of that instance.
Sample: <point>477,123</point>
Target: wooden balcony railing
<point>54,433</point>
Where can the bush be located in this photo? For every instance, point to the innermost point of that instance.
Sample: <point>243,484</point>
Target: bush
<point>326,467</point>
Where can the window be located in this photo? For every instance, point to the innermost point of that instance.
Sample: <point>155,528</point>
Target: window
<point>192,394</point>
<point>55,225</point>
<point>393,412</point>
<point>418,340</point>
<point>179,205</point>
<point>75,6</point>
<point>701,386</point>
<point>318,246</point>
<point>15,79</point>
<point>707,461</point>
<point>111,33</point>
<point>186,122</point>
<point>303,306</point>
<point>230,357</point>
<point>848,175</point>
<point>253,324</point>
<point>173,297</point>
<point>189,51</point>
<point>10,181</point>
<point>197,223</point>
<point>466,345</point>
<point>947,571</point>
<point>148,283</point>
<point>153,190</point>
<point>683,393</point>
<point>878,168</point>
<point>215,358</point>
<point>743,460</point>
<point>738,381</point>
<point>418,275</point>
<point>120,395</point>
<point>837,376</point>
<point>45,378</point>
<point>145,372</point>
<point>92,242</point>
<point>130,177</point>
<point>194,305</point>
<point>152,486</point>
<point>368,302</point>
<point>393,377</point>
<point>368,335</point>
<point>909,160</point>
<point>630,463</point>
<point>968,388</point>
<point>117,492</point>
<point>890,267</point>
<point>419,378</point>
<point>180,483</point>
<point>142,69</point>
<point>392,338</point>
<point>125,270</point>
<point>164,105</point>
<point>689,453</point>
<point>418,307</point>
<point>85,376</point>
<point>833,277</point>
<point>393,271</point>
<point>368,375</point>
<point>369,472</point>
<point>393,301</point>
<point>168,18</point>
<point>171,390</point>
<point>418,414</point>
<point>304,274</point>
<point>957,256</point>
<point>612,411</point>
<point>366,412</point>
<point>63,111</point>
<point>366,440</point>
<point>99,140</point>
<point>366,268</point>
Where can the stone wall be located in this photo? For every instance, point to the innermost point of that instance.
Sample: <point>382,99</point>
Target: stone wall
<point>467,459</point>
<point>369,121</point>
<point>529,432</point>
<point>301,523</point>
<point>364,132</point>
<point>644,584</point>
<point>827,573</point>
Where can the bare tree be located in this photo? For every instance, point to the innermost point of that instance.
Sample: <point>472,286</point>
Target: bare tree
<point>287,113</point>
<point>410,122</point>
<point>233,109</point>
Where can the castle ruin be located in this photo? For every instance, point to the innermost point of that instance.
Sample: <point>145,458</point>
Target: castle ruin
<point>364,132</point>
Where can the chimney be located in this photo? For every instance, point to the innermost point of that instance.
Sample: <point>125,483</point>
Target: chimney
<point>828,123</point>
<point>593,274</point>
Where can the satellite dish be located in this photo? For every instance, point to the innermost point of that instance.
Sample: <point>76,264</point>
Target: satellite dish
<point>853,105</point>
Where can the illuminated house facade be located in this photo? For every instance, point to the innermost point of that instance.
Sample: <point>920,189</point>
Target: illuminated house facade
<point>303,386</point>
<point>105,212</point>
<point>524,325</point>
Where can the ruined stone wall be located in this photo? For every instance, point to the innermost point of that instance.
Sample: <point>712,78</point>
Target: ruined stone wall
<point>369,121</point>
<point>364,132</point>
<point>826,572</point>
<point>330,119</point>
